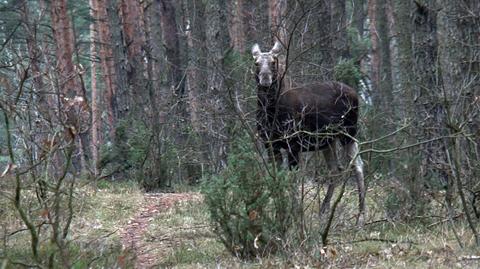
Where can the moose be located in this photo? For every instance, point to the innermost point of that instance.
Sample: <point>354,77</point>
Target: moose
<point>319,116</point>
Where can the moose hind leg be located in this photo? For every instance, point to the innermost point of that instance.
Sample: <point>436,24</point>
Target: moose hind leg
<point>293,158</point>
<point>331,158</point>
<point>357,163</point>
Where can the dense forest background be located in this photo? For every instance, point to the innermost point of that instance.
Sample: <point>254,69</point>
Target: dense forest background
<point>162,93</point>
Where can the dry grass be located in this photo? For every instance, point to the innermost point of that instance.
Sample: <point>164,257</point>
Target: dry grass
<point>94,233</point>
<point>180,236</point>
<point>186,241</point>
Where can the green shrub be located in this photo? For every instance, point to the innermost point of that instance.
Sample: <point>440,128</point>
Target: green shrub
<point>134,155</point>
<point>348,72</point>
<point>250,205</point>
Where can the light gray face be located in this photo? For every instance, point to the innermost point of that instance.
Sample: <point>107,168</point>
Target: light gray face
<point>266,63</point>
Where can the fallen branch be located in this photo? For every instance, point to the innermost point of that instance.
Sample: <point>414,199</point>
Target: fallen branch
<point>383,240</point>
<point>469,258</point>
<point>444,220</point>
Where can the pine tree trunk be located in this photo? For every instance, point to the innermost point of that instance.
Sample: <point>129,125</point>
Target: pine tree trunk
<point>191,84</point>
<point>405,99</point>
<point>171,44</point>
<point>120,100</point>
<point>325,44</point>
<point>95,141</point>
<point>359,15</point>
<point>277,10</point>
<point>236,25</point>
<point>429,108</point>
<point>216,41</point>
<point>107,62</point>
<point>386,84</point>
<point>339,30</point>
<point>405,61</point>
<point>72,98</point>
<point>375,52</point>
<point>134,38</point>
<point>456,29</point>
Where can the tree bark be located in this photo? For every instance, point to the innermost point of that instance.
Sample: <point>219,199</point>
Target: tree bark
<point>339,30</point>
<point>63,34</point>
<point>236,25</point>
<point>134,38</point>
<point>428,96</point>
<point>107,62</point>
<point>405,62</point>
<point>120,99</point>
<point>95,141</point>
<point>216,42</point>
<point>456,28</point>
<point>325,46</point>
<point>71,95</point>
<point>170,37</point>
<point>375,52</point>
<point>277,10</point>
<point>386,84</point>
<point>359,16</point>
<point>192,86</point>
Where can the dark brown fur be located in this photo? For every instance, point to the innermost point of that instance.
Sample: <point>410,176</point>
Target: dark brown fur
<point>306,118</point>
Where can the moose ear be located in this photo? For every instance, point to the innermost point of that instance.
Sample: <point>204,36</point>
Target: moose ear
<point>276,49</point>
<point>256,51</point>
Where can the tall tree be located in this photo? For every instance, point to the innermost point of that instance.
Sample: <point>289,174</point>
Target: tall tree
<point>339,30</point>
<point>386,83</point>
<point>134,38</point>
<point>359,15</point>
<point>192,85</point>
<point>71,91</point>
<point>102,23</point>
<point>374,39</point>
<point>277,10</point>
<point>325,44</point>
<point>171,43</point>
<point>404,30</point>
<point>456,29</point>
<point>216,42</point>
<point>95,141</point>
<point>405,99</point>
<point>428,94</point>
<point>236,25</point>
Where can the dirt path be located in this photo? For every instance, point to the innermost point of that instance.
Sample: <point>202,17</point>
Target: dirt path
<point>132,235</point>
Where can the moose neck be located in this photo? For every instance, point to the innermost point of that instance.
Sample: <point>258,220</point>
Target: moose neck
<point>267,95</point>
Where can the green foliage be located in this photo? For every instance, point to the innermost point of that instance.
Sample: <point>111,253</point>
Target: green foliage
<point>130,147</point>
<point>347,72</point>
<point>359,46</point>
<point>250,206</point>
<point>152,160</point>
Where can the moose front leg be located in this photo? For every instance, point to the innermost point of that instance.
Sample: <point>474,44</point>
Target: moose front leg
<point>293,158</point>
<point>357,163</point>
<point>331,159</point>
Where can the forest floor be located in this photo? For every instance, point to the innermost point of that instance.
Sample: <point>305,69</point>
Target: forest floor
<point>147,251</point>
<point>120,226</point>
<point>173,230</point>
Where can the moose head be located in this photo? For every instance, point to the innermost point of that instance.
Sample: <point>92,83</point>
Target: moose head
<point>267,64</point>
